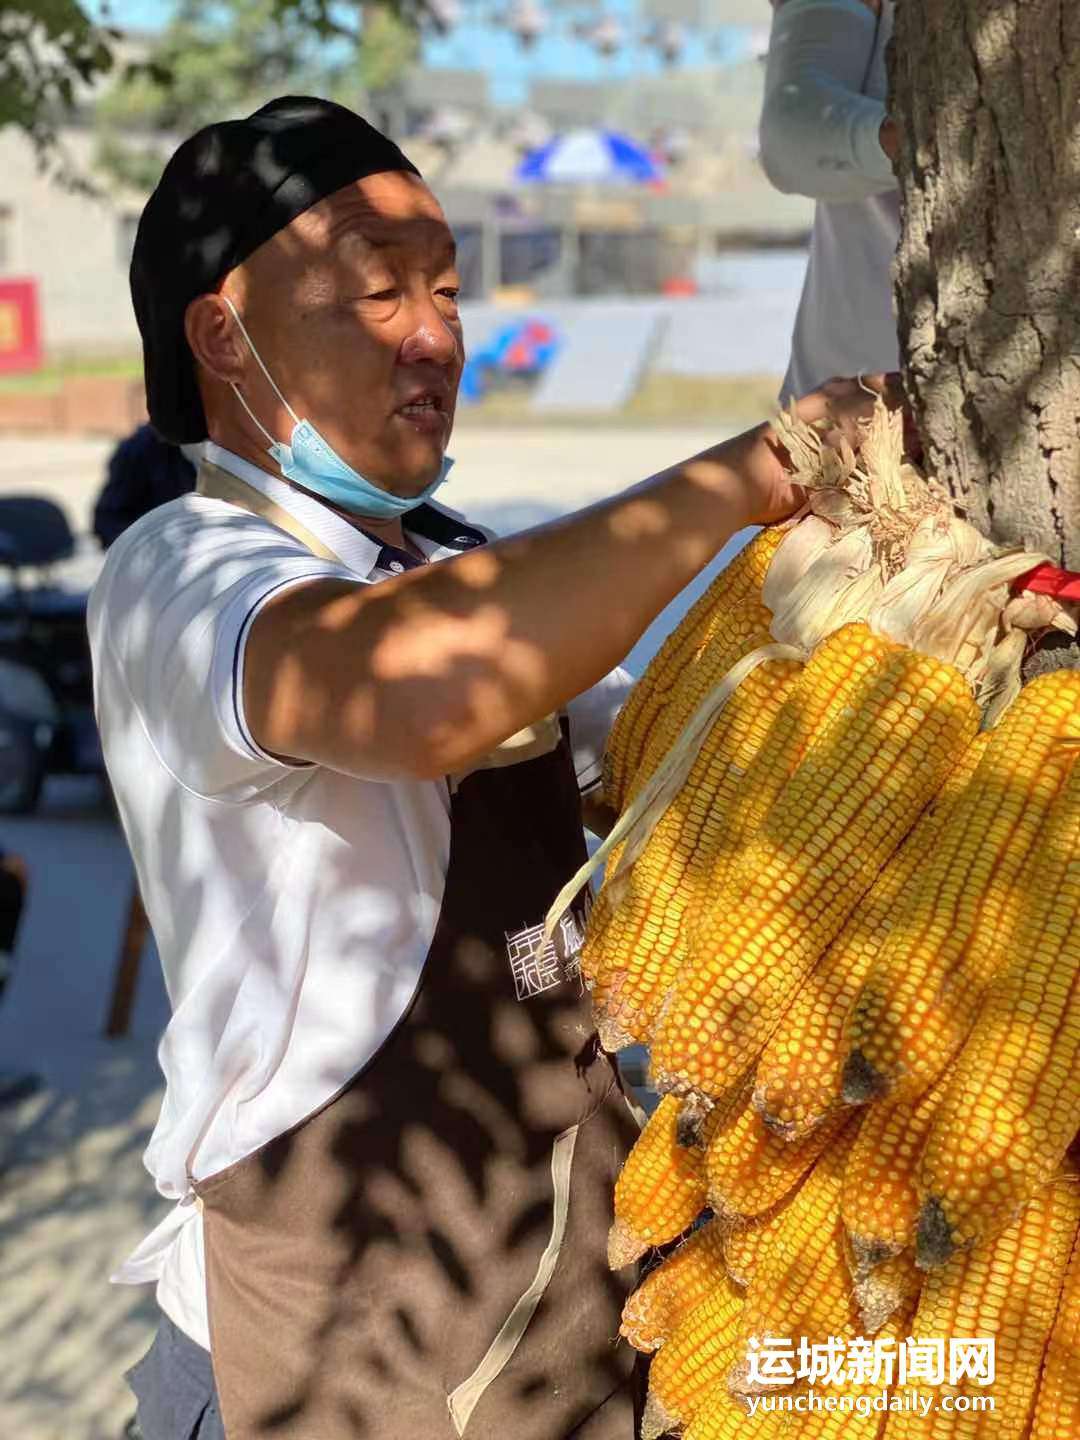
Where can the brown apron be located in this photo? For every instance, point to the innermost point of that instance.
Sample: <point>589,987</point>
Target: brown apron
<point>425,1255</point>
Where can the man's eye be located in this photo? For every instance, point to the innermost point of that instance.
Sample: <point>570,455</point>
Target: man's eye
<point>381,295</point>
<point>451,292</point>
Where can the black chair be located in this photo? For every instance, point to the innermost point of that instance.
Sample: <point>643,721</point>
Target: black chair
<point>46,715</point>
<point>33,531</point>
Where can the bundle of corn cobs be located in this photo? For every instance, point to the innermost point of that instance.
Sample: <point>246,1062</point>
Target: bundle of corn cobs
<point>842,908</point>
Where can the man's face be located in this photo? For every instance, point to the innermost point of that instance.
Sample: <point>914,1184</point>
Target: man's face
<point>353,309</point>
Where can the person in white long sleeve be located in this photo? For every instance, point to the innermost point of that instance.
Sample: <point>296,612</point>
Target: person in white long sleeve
<point>825,133</point>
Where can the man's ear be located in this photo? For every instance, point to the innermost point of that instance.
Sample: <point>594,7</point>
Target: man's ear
<point>215,340</point>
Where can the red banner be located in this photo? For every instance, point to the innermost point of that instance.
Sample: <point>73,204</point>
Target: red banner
<point>1047,579</point>
<point>20,328</point>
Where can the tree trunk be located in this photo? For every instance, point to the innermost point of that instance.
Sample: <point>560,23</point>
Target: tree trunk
<point>987,95</point>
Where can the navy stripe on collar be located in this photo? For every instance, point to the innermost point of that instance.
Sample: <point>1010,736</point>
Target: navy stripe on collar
<point>448,531</point>
<point>395,560</point>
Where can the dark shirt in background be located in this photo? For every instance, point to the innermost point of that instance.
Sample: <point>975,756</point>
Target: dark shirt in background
<point>144,472</point>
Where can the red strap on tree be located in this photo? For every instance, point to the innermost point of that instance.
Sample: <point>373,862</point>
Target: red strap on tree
<point>1049,580</point>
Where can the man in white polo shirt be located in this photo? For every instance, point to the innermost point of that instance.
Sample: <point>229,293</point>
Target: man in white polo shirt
<point>387,1125</point>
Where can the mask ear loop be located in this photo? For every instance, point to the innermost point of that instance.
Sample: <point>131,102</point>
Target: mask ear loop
<point>273,385</point>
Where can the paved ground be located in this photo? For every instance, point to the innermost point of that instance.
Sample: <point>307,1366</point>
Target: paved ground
<point>542,466</point>
<point>73,1195</point>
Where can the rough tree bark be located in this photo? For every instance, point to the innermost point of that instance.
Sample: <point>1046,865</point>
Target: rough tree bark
<point>987,96</point>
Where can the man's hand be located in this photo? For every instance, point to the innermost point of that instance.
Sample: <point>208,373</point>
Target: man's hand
<point>842,403</point>
<point>845,402</point>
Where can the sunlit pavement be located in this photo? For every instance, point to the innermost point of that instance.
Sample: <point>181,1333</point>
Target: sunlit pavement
<point>73,1195</point>
<point>543,465</point>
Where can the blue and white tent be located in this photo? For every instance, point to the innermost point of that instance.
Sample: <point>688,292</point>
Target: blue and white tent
<point>590,157</point>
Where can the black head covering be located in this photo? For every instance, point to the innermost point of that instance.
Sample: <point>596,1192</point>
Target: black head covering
<point>224,192</point>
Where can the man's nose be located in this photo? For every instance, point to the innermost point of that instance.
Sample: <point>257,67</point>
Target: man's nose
<point>430,339</point>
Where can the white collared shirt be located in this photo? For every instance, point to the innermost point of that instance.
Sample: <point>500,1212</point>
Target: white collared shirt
<point>293,907</point>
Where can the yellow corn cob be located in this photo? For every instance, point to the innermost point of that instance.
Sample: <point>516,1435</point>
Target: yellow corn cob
<point>1010,1109</point>
<point>625,756</point>
<point>849,658</point>
<point>611,934</point>
<point>822,1424</point>
<point>856,794</point>
<point>817,1420</point>
<point>789,722</point>
<point>745,1242</point>
<point>841,1424</point>
<point>1057,1410</point>
<point>694,1361</point>
<point>646,937</point>
<point>850,1424</point>
<point>742,578</point>
<point>745,628</point>
<point>798,1077</point>
<point>886,1289</point>
<point>675,1287</point>
<point>723,1417</point>
<point>599,952</point>
<point>920,998</point>
<point>800,1286</point>
<point>846,661</point>
<point>1006,1289</point>
<point>661,1190</point>
<point>880,1198</point>
<point>748,1170</point>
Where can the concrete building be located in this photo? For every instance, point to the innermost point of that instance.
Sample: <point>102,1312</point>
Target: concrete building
<point>556,242</point>
<point>76,246</point>
<point>710,14</point>
<point>716,103</point>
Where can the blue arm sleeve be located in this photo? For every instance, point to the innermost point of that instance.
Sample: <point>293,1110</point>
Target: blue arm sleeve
<point>819,133</point>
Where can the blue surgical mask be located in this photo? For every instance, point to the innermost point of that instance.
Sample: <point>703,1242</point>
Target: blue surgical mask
<point>310,461</point>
